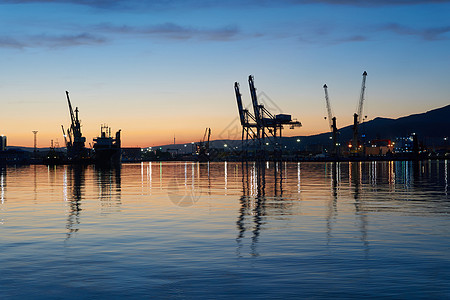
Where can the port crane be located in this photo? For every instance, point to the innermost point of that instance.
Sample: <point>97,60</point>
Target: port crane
<point>202,147</point>
<point>262,124</point>
<point>248,121</point>
<point>266,120</point>
<point>357,117</point>
<point>76,149</point>
<point>331,121</point>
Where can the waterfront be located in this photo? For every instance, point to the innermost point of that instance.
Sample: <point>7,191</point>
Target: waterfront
<point>219,230</point>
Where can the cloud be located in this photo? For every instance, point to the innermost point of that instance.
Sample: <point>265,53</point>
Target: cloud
<point>71,40</point>
<point>93,3</point>
<point>48,41</point>
<point>173,31</point>
<point>353,38</point>
<point>367,2</point>
<point>106,32</point>
<point>171,4</point>
<point>428,34</point>
<point>8,42</point>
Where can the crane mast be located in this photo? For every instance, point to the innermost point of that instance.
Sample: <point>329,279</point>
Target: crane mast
<point>75,126</point>
<point>357,117</point>
<point>64,135</point>
<point>239,103</point>
<point>76,150</point>
<point>256,108</point>
<point>361,97</point>
<point>209,135</point>
<point>327,101</point>
<point>331,121</point>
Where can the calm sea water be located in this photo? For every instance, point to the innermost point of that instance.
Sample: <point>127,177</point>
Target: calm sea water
<point>187,230</point>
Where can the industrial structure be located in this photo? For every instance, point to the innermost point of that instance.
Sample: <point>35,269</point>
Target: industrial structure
<point>202,147</point>
<point>107,150</point>
<point>2,143</point>
<point>332,122</point>
<point>75,142</point>
<point>357,119</point>
<point>262,127</point>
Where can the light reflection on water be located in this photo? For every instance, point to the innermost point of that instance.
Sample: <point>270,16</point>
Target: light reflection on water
<point>220,230</point>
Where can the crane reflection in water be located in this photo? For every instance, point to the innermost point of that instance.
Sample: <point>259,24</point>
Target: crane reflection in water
<point>108,183</point>
<point>262,190</point>
<point>73,183</point>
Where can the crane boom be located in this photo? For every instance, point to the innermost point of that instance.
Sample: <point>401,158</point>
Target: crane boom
<point>72,116</point>
<point>204,135</point>
<point>239,103</point>
<point>332,122</point>
<point>64,135</point>
<point>327,100</point>
<point>361,97</point>
<point>256,106</point>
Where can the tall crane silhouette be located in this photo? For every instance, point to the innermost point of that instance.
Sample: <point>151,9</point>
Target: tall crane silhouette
<point>357,117</point>
<point>332,122</point>
<point>76,150</point>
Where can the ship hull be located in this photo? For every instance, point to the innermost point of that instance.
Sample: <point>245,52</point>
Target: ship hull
<point>107,156</point>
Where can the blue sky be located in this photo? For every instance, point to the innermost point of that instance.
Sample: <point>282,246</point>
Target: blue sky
<point>159,68</point>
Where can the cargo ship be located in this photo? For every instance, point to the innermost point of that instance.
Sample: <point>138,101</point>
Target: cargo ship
<point>107,150</point>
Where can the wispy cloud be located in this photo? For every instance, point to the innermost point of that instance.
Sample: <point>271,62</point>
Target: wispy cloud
<point>351,39</point>
<point>428,34</point>
<point>332,39</point>
<point>170,4</point>
<point>173,31</point>
<point>51,41</point>
<point>107,32</point>
<point>8,42</point>
<point>93,3</point>
<point>367,2</point>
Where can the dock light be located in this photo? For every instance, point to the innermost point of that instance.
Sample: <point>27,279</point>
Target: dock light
<point>298,140</point>
<point>267,144</point>
<point>225,145</point>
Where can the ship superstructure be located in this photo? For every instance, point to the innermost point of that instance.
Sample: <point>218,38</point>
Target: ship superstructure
<point>107,150</point>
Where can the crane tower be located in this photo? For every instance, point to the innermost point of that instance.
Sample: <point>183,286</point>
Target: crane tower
<point>357,117</point>
<point>332,122</point>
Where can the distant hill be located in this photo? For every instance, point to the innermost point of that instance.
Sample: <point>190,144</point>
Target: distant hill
<point>432,124</point>
<point>430,127</point>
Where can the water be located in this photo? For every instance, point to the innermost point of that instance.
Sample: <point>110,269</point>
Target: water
<point>187,230</point>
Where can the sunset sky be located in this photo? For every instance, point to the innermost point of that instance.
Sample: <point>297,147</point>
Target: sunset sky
<point>156,69</point>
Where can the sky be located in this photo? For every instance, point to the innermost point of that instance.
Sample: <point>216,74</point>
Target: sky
<point>165,68</point>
